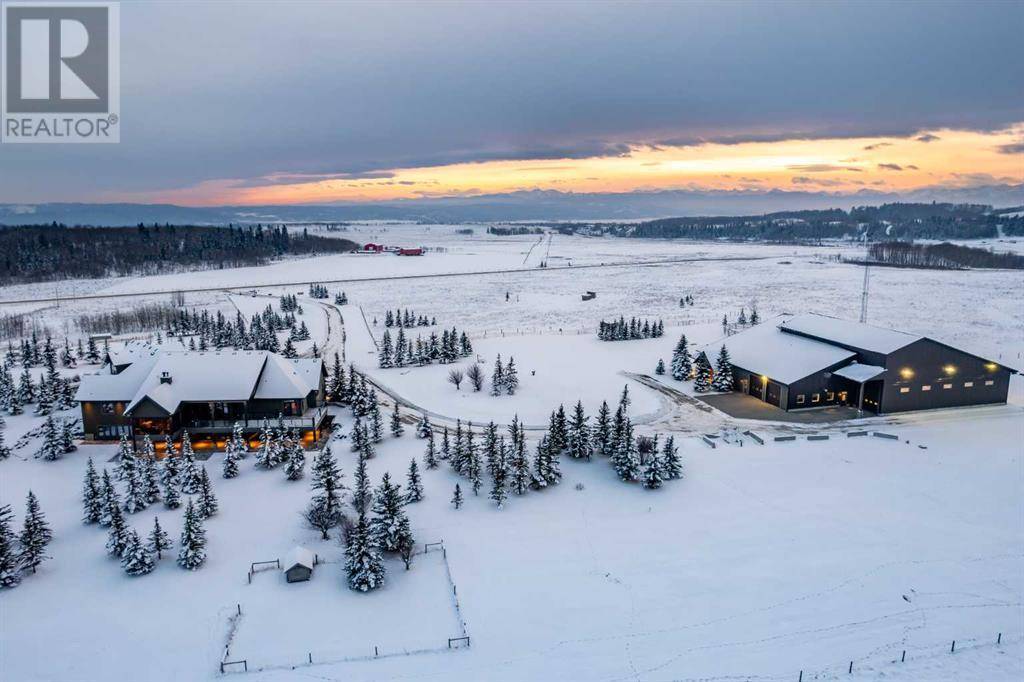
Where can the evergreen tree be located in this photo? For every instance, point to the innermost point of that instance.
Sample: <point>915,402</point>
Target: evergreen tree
<point>457,497</point>
<point>579,434</point>
<point>108,499</point>
<point>189,477</point>
<point>135,494</point>
<point>289,349</point>
<point>150,477</point>
<point>603,431</point>
<point>654,472</point>
<point>413,484</point>
<point>558,432</point>
<point>158,539</point>
<point>52,448</point>
<point>430,457</point>
<point>10,569</point>
<point>229,467</point>
<point>702,372</point>
<point>35,535</point>
<point>670,457</point>
<point>376,423</point>
<point>136,559</point>
<point>295,467</point>
<point>682,363</point>
<point>660,369</point>
<point>472,462</point>
<point>207,504</point>
<point>384,358</point>
<point>446,450</point>
<point>171,469</point>
<point>498,377</point>
<point>626,459</point>
<point>520,474</point>
<point>499,476</point>
<point>511,377</point>
<point>361,494</point>
<point>67,437</point>
<point>192,548</point>
<point>545,465</point>
<point>423,429</point>
<point>92,502</point>
<point>117,538</point>
<point>396,423</point>
<point>327,485</point>
<point>387,515</point>
<point>364,567</point>
<point>722,380</point>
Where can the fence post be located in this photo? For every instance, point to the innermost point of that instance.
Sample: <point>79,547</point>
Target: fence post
<point>311,658</point>
<point>375,652</point>
<point>999,639</point>
<point>239,609</point>
<point>850,671</point>
<point>952,647</point>
<point>801,678</point>
<point>903,658</point>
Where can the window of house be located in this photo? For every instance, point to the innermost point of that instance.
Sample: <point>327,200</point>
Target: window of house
<point>905,389</point>
<point>108,431</point>
<point>830,396</point>
<point>968,384</point>
<point>800,399</point>
<point>926,388</point>
<point>816,398</point>
<point>107,408</point>
<point>989,382</point>
<point>946,386</point>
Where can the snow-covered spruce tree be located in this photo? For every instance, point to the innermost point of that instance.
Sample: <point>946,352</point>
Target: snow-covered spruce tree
<point>546,469</point>
<point>92,503</point>
<point>237,442</point>
<point>754,317</point>
<point>511,377</point>
<point>171,465</point>
<point>702,374</point>
<point>558,431</point>
<point>520,469</point>
<point>117,537</point>
<point>109,499</point>
<point>413,483</point>
<point>423,428</point>
<point>446,448</point>
<point>289,349</point>
<point>362,496</point>
<point>10,570</point>
<point>458,450</point>
<point>357,435</point>
<point>723,371</point>
<point>498,377</point>
<point>660,369</point>
<point>324,511</point>
<point>490,448</point>
<point>265,455</point>
<point>670,457</point>
<point>207,505</point>
<point>192,548</point>
<point>67,437</point>
<point>136,559</point>
<point>430,456</point>
<point>376,422</point>
<point>190,476</point>
<point>135,494</point>
<point>457,498</point>
<point>499,478</point>
<point>387,515</point>
<point>337,387</point>
<point>35,535</point>
<point>397,429</point>
<point>654,471</point>
<point>364,568</point>
<point>158,539</point>
<point>384,358</point>
<point>602,436</point>
<point>150,479</point>
<point>474,467</point>
<point>626,459</point>
<point>295,467</point>
<point>52,447</point>
<point>579,434</point>
<point>682,363</point>
<point>126,463</point>
<point>229,465</point>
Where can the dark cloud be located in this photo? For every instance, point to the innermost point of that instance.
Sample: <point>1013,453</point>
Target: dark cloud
<point>1012,148</point>
<point>877,145</point>
<point>822,168</point>
<point>927,137</point>
<point>365,87</point>
<point>890,166</point>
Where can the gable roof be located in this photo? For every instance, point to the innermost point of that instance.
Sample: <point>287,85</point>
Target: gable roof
<point>299,556</point>
<point>848,333</point>
<point>784,357</point>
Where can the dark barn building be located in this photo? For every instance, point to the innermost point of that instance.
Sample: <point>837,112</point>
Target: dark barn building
<point>806,361</point>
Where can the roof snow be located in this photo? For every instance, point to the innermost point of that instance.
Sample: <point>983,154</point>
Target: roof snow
<point>853,334</point>
<point>299,556</point>
<point>858,372</point>
<point>784,357</point>
<point>202,377</point>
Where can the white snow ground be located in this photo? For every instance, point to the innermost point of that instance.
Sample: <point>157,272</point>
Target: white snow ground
<point>763,562</point>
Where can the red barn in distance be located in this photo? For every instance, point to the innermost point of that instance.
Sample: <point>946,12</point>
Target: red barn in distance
<point>373,248</point>
<point>397,250</point>
<point>417,251</point>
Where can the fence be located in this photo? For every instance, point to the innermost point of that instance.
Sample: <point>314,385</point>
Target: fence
<point>257,566</point>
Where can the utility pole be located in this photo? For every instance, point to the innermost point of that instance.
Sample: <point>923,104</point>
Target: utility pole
<point>867,275</point>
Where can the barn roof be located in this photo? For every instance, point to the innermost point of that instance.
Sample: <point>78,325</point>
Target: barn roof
<point>848,333</point>
<point>783,357</point>
<point>299,556</point>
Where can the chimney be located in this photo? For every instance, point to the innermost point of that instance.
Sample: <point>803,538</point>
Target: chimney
<point>165,377</point>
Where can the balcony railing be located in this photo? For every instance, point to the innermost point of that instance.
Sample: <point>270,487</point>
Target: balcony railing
<point>309,419</point>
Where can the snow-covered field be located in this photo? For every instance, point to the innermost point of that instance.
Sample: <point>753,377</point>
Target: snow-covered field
<point>763,562</point>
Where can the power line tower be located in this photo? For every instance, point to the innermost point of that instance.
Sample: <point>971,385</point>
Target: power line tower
<point>867,277</point>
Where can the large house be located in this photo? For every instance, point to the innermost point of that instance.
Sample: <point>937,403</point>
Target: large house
<point>804,361</point>
<point>144,389</point>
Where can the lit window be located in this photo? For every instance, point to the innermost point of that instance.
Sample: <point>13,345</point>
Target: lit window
<point>816,398</point>
<point>926,388</point>
<point>989,382</point>
<point>830,396</point>
<point>800,399</point>
<point>947,386</point>
<point>968,384</point>
<point>905,389</point>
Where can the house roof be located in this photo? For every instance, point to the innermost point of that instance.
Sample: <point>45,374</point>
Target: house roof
<point>783,357</point>
<point>859,373</point>
<point>848,333</point>
<point>299,556</point>
<point>201,377</point>
<point>129,352</point>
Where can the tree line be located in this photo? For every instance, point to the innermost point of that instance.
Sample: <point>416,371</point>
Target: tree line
<point>944,256</point>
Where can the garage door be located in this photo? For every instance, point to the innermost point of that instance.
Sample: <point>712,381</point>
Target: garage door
<point>774,394</point>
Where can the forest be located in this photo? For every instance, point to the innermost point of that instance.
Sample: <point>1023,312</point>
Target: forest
<point>940,256</point>
<point>35,253</point>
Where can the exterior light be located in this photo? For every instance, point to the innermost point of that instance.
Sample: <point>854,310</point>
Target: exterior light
<point>907,373</point>
<point>990,366</point>
<point>764,379</point>
<point>950,370</point>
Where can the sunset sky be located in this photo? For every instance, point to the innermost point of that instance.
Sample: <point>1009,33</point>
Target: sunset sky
<point>267,103</point>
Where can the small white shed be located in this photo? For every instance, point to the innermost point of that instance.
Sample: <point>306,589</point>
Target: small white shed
<point>298,565</point>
